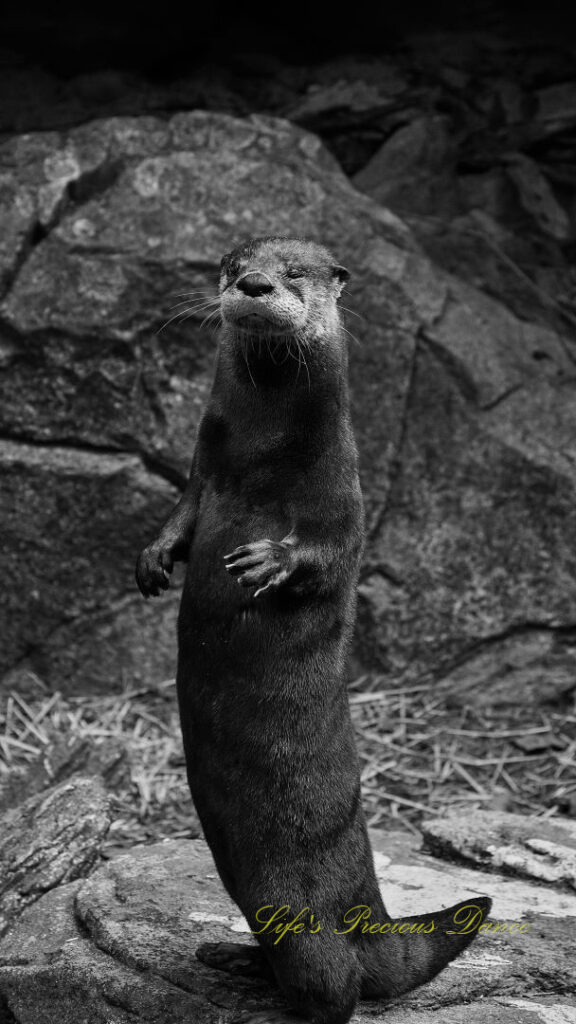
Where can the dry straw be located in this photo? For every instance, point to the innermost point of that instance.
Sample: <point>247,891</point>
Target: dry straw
<point>419,756</point>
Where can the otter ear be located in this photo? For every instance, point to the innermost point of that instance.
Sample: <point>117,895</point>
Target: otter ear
<point>342,275</point>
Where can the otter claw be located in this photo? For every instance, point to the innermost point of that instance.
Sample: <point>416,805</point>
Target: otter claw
<point>244,549</point>
<point>153,570</point>
<point>262,590</point>
<point>263,564</point>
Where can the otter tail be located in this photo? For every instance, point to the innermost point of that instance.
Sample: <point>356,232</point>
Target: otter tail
<point>412,950</point>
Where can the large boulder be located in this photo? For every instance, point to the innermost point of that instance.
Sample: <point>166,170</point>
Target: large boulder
<point>465,413</point>
<point>119,948</point>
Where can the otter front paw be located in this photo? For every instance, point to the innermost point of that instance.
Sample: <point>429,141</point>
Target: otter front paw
<point>153,569</point>
<point>265,564</point>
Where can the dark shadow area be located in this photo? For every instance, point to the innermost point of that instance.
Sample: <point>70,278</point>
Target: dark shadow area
<point>169,39</point>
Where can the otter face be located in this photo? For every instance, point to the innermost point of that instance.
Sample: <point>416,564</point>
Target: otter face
<point>272,287</point>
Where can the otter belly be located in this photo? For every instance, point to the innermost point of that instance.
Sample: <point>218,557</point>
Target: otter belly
<point>226,520</point>
<point>264,751</point>
<point>275,780</point>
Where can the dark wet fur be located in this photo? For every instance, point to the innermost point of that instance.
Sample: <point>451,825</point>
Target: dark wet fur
<point>269,743</point>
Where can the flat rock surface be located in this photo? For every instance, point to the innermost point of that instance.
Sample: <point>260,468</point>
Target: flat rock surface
<point>119,947</point>
<point>534,847</point>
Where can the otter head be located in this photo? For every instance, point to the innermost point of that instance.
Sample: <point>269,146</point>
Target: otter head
<point>276,287</point>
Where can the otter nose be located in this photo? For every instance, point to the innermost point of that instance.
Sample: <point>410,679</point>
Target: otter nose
<point>254,284</point>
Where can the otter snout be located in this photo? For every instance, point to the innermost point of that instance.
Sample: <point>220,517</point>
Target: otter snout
<point>254,284</point>
<point>275,287</point>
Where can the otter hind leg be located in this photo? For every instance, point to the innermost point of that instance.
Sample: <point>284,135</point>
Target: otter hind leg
<point>320,988</point>
<point>394,963</point>
<point>236,958</point>
<point>321,981</point>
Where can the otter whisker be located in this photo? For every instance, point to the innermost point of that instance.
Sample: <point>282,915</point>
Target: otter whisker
<point>185,313</point>
<point>215,314</point>
<point>201,294</point>
<point>270,352</point>
<point>288,352</point>
<point>299,363</point>
<point>296,357</point>
<point>244,351</point>
<point>202,301</point>
<point>202,305</point>
<point>350,335</point>
<point>302,360</point>
<point>198,312</point>
<point>351,311</point>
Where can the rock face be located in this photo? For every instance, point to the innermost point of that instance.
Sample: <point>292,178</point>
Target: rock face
<point>464,411</point>
<point>70,519</point>
<point>119,947</point>
<point>49,840</point>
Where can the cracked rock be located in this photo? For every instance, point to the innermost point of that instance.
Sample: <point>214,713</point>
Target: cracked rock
<point>50,839</point>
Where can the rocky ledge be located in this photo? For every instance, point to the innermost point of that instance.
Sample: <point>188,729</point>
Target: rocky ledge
<point>118,947</point>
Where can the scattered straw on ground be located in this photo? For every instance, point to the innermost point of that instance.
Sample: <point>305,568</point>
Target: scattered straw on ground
<point>151,799</point>
<point>419,756</point>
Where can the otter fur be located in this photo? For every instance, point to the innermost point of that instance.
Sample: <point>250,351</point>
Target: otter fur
<point>271,525</point>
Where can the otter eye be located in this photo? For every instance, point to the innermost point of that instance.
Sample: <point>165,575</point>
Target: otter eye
<point>294,272</point>
<point>229,266</point>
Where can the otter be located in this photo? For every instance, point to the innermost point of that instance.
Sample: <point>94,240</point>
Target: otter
<point>271,525</point>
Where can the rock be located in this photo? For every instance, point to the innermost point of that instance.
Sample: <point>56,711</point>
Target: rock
<point>350,91</point>
<point>537,197</point>
<point>353,96</point>
<point>492,193</point>
<point>444,554</point>
<point>533,743</point>
<point>557,107</point>
<point>50,839</point>
<point>535,848</point>
<point>120,946</point>
<point>72,522</point>
<point>413,172</point>
<point>464,410</point>
<point>132,642</point>
<point>530,667</point>
<point>481,248</point>
<point>107,759</point>
<point>512,99</point>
